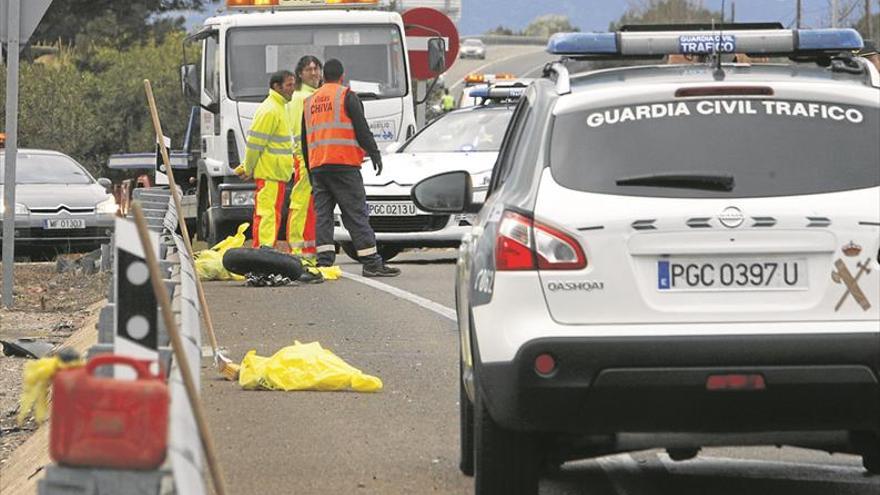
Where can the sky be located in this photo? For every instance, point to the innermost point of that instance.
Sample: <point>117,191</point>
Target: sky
<point>479,16</point>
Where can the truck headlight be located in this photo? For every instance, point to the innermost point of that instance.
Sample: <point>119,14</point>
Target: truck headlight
<point>236,198</point>
<point>20,209</point>
<point>107,207</point>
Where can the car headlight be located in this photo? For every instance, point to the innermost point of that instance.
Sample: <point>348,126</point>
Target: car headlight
<point>481,180</point>
<point>236,198</point>
<point>20,209</point>
<point>107,207</point>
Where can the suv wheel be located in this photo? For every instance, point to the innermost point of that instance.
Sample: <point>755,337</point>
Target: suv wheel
<point>505,461</point>
<point>466,428</point>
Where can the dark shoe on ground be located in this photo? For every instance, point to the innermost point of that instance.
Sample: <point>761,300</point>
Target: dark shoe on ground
<point>381,271</point>
<point>310,278</point>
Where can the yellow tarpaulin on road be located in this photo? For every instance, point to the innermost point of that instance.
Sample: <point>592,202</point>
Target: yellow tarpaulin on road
<point>303,367</point>
<point>209,262</point>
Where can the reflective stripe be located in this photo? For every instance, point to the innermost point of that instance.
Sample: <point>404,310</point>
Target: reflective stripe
<point>259,135</point>
<point>279,151</point>
<point>337,103</point>
<point>367,252</point>
<point>328,142</point>
<point>332,125</point>
<point>327,247</point>
<point>297,244</point>
<point>309,244</point>
<point>256,147</point>
<point>297,138</point>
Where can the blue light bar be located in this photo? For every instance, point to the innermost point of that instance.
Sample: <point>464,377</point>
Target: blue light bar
<point>479,92</point>
<point>829,39</point>
<point>701,42</point>
<point>501,93</point>
<point>583,44</point>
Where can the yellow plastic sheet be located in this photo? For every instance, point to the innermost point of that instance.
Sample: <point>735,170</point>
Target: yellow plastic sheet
<point>209,262</point>
<point>303,367</point>
<point>330,272</point>
<point>36,379</point>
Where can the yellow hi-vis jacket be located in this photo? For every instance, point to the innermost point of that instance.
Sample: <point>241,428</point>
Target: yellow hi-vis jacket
<point>269,153</point>
<point>295,109</point>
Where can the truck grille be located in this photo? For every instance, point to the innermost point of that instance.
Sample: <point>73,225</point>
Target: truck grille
<point>418,223</point>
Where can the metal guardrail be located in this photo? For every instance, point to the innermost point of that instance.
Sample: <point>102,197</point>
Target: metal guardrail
<point>501,39</point>
<point>182,471</point>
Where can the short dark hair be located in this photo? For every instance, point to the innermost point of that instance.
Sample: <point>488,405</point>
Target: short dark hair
<point>304,62</point>
<point>333,70</point>
<point>279,78</point>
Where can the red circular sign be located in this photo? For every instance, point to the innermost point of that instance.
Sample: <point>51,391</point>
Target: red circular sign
<point>422,24</point>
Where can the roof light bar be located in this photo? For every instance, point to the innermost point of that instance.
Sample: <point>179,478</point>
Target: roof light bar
<point>507,92</point>
<point>660,43</point>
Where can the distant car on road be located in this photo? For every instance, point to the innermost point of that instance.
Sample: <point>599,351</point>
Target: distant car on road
<point>472,48</point>
<point>673,256</point>
<point>466,139</point>
<point>59,206</point>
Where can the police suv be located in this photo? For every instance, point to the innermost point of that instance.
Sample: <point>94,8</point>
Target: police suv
<point>674,256</point>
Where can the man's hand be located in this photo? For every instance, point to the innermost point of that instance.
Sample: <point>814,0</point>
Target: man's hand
<point>241,172</point>
<point>377,166</point>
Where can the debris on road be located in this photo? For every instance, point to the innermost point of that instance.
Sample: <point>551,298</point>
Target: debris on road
<point>26,348</point>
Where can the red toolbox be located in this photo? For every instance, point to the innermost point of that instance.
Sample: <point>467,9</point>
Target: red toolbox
<point>103,422</point>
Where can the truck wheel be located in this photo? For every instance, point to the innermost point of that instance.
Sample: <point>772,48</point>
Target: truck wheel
<point>385,251</point>
<point>262,262</point>
<point>466,428</point>
<point>505,461</point>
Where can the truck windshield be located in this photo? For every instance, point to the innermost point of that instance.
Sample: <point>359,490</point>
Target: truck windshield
<point>373,57</point>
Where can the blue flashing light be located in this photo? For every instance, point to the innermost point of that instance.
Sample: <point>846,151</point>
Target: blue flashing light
<point>479,92</point>
<point>829,39</point>
<point>583,44</point>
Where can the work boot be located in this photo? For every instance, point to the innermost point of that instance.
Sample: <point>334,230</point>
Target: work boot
<point>381,270</point>
<point>310,277</point>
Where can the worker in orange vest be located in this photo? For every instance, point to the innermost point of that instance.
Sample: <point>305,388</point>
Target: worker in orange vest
<point>336,136</point>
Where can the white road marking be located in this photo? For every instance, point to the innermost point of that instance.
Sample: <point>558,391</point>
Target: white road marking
<point>428,304</point>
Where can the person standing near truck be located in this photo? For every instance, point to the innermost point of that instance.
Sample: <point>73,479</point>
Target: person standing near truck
<point>336,135</point>
<point>269,158</point>
<point>301,214</point>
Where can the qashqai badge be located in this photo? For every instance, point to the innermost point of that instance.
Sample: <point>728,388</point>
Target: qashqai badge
<point>732,217</point>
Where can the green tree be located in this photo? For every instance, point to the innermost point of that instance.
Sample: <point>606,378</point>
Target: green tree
<point>115,22</point>
<point>501,30</point>
<point>547,25</point>
<point>665,12</point>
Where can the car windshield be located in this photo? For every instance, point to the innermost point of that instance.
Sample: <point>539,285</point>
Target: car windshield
<point>718,148</point>
<point>472,43</point>
<point>35,168</point>
<point>373,57</point>
<point>464,131</point>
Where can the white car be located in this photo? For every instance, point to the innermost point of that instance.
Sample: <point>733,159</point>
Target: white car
<point>674,256</point>
<point>472,48</point>
<point>460,140</point>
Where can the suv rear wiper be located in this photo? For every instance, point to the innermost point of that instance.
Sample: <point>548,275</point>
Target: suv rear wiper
<point>684,181</point>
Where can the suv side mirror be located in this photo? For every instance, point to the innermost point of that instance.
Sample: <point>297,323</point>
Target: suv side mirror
<point>450,192</point>
<point>189,82</point>
<point>437,55</point>
<point>105,183</point>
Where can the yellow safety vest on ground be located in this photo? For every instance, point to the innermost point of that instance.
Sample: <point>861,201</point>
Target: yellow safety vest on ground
<point>269,153</point>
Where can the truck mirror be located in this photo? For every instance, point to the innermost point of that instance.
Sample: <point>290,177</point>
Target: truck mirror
<point>437,55</point>
<point>189,81</point>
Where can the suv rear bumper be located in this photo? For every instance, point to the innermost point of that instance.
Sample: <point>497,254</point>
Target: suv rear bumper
<point>814,382</point>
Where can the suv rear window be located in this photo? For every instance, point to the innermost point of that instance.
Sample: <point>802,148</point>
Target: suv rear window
<point>768,147</point>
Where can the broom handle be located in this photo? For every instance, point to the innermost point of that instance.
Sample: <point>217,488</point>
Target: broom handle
<point>179,354</point>
<point>203,301</point>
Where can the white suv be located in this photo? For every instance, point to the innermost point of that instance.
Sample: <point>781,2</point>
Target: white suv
<point>674,256</point>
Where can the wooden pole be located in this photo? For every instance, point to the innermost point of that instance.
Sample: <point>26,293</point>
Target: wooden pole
<point>175,194</point>
<point>179,353</point>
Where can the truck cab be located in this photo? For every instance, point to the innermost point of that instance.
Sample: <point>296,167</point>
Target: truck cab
<point>241,48</point>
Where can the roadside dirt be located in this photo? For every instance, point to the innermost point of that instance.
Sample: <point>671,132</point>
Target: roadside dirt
<point>49,306</point>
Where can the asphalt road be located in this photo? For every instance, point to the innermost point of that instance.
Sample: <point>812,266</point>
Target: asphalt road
<point>404,440</point>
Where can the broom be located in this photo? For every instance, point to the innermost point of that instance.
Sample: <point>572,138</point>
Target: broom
<point>228,369</point>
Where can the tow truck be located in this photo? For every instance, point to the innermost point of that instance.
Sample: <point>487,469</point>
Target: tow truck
<point>240,48</point>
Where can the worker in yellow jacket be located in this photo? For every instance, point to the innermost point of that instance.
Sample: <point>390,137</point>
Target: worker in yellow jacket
<point>269,158</point>
<point>301,215</point>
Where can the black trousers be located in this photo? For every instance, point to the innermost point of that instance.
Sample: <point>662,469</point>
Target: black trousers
<point>343,187</point>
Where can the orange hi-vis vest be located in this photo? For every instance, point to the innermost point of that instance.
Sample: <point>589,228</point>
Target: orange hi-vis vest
<point>331,138</point>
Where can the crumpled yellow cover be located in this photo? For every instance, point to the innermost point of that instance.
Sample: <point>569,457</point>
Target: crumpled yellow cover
<point>330,272</point>
<point>209,262</point>
<point>36,378</point>
<point>303,367</point>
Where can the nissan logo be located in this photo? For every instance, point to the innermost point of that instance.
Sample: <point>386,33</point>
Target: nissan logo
<point>731,217</point>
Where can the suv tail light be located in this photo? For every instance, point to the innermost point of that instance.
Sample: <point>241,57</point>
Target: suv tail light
<point>524,244</point>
